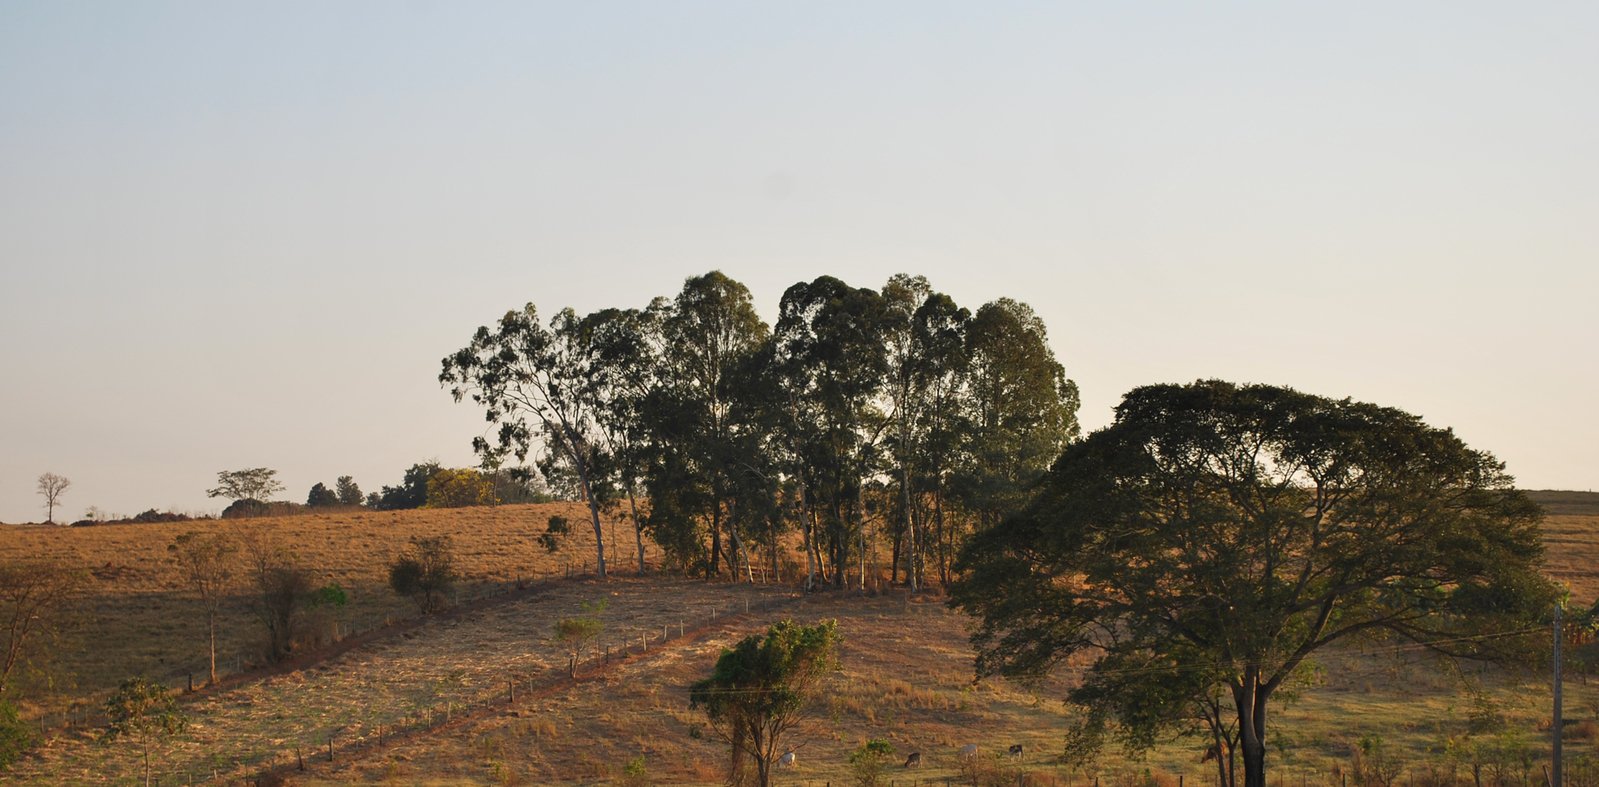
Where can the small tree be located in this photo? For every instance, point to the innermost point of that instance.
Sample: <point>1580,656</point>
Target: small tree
<point>321,496</point>
<point>577,632</point>
<point>762,688</point>
<point>33,597</point>
<point>282,586</point>
<point>425,572</point>
<point>349,493</point>
<point>256,483</point>
<point>868,762</point>
<point>205,562</point>
<point>51,487</point>
<point>16,734</point>
<point>143,710</point>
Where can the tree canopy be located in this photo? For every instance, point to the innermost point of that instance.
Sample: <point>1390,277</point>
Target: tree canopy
<point>255,483</point>
<point>861,415</point>
<point>762,687</point>
<point>1214,536</point>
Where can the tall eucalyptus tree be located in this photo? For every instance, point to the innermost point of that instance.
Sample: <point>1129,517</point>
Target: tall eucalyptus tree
<point>709,330</point>
<point>831,355</point>
<point>536,384</point>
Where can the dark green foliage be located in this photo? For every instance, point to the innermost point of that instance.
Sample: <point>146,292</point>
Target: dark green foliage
<point>348,492</point>
<point>762,687</point>
<point>143,708</point>
<point>1022,409</point>
<point>16,735</point>
<point>321,496</point>
<point>425,572</point>
<point>1215,536</point>
<point>554,531</point>
<point>330,595</point>
<point>869,760</point>
<point>411,493</point>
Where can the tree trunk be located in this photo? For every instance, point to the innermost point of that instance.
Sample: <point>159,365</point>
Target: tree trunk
<point>638,528</point>
<point>1250,700</point>
<point>575,445</point>
<point>211,628</point>
<point>716,540</point>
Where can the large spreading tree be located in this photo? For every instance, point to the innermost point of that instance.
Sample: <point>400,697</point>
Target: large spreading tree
<point>1200,548</point>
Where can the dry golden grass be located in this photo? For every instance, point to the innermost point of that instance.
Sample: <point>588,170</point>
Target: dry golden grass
<point>138,618</point>
<point>907,667</point>
<point>907,678</point>
<point>404,681</point>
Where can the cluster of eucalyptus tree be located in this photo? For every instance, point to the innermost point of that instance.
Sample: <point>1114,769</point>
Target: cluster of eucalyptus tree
<point>861,413</point>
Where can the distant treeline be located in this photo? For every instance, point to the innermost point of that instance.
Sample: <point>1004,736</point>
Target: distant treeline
<point>861,415</point>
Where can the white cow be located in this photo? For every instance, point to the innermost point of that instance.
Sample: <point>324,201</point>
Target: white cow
<point>968,751</point>
<point>786,761</point>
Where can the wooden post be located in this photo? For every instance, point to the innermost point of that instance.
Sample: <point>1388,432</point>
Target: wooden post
<point>191,683</point>
<point>330,747</point>
<point>299,757</point>
<point>511,685</point>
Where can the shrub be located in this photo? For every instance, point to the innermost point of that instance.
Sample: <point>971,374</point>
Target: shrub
<point>16,735</point>
<point>868,762</point>
<point>425,572</point>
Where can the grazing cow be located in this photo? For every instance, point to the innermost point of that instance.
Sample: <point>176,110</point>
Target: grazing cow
<point>1015,751</point>
<point>968,751</point>
<point>914,761</point>
<point>786,761</point>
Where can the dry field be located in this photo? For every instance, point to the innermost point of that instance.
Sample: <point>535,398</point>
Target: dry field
<point>137,617</point>
<point>906,678</point>
<point>456,661</point>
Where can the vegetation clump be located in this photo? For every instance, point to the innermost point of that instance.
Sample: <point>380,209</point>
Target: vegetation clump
<point>425,572</point>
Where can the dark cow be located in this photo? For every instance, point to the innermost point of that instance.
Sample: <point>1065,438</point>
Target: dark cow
<point>914,760</point>
<point>1015,751</point>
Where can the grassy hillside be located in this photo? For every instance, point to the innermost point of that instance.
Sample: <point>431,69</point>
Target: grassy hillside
<point>907,669</point>
<point>136,598</point>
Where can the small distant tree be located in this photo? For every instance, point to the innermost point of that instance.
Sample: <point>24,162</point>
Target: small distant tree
<point>868,762</point>
<point>763,687</point>
<point>205,563</point>
<point>16,734</point>
<point>283,589</point>
<point>143,710</point>
<point>33,599</point>
<point>425,572</point>
<point>459,488</point>
<point>348,492</point>
<point>321,496</point>
<point>255,483</point>
<point>577,632</point>
<point>51,487</point>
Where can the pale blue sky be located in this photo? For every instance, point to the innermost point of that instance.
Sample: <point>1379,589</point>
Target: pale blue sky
<point>239,234</point>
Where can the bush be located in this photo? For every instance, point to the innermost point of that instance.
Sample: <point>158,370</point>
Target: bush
<point>868,762</point>
<point>321,496</point>
<point>411,493</point>
<point>425,572</point>
<point>16,735</point>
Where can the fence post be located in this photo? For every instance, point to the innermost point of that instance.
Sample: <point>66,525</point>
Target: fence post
<point>330,747</point>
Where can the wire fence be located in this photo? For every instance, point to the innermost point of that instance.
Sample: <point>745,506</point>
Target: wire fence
<point>362,736</point>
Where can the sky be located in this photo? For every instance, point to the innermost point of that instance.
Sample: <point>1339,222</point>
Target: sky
<point>244,234</point>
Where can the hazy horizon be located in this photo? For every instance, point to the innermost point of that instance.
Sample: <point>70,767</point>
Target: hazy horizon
<point>236,236</point>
